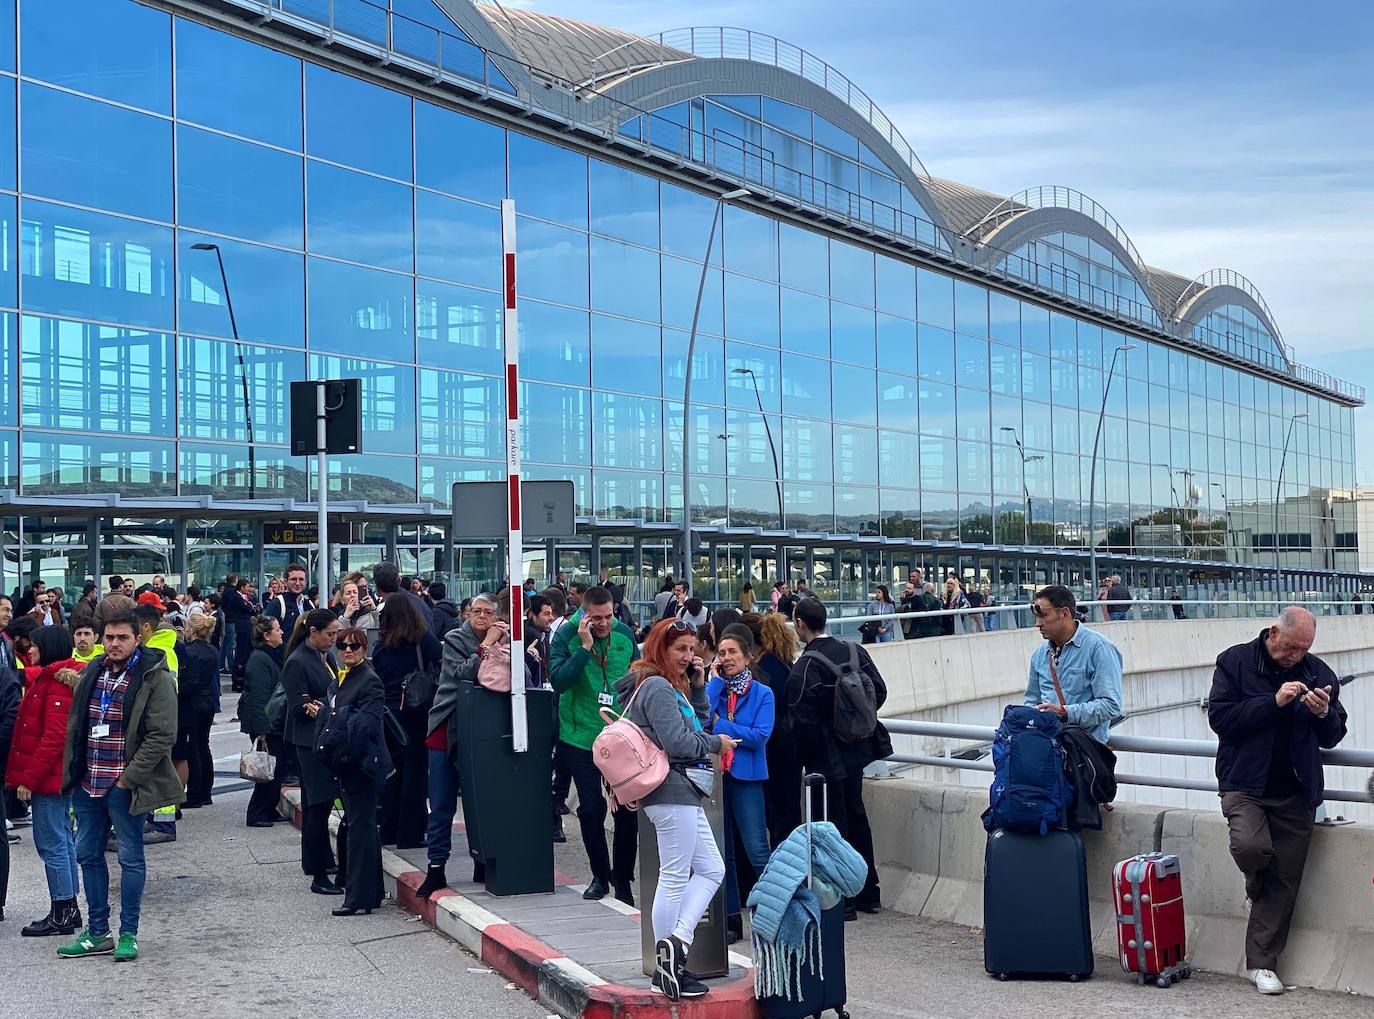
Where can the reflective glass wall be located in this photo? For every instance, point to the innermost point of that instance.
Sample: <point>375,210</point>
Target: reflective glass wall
<point>833,388</point>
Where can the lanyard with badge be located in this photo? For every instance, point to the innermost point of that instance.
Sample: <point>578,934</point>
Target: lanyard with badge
<point>605,698</point>
<point>108,688</point>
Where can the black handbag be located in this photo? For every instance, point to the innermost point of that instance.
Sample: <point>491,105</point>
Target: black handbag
<point>395,729</point>
<point>419,687</point>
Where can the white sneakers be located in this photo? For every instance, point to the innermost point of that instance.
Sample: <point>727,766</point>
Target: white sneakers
<point>1266,981</point>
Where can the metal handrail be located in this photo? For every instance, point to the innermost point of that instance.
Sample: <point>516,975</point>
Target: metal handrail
<point>1231,278</point>
<point>1089,606</point>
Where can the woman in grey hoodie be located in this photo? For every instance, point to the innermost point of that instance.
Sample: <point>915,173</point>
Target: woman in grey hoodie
<point>665,695</point>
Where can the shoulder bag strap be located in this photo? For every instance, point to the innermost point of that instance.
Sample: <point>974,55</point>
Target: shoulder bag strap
<point>1054,676</point>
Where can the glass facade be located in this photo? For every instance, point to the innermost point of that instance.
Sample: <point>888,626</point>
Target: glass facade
<point>835,388</point>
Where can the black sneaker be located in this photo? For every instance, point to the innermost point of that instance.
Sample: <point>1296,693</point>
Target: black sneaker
<point>657,985</point>
<point>688,986</point>
<point>669,957</point>
<point>598,889</point>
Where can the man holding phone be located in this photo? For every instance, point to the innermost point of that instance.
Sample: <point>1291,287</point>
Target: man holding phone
<point>1274,707</point>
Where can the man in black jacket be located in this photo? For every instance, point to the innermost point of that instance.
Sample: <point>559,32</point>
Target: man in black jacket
<point>811,700</point>
<point>291,604</point>
<point>445,610</point>
<point>1273,707</point>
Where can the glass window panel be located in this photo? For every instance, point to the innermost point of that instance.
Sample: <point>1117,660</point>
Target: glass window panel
<point>789,117</point>
<point>751,310</point>
<point>116,49</point>
<point>458,327</point>
<point>234,85</point>
<point>752,377</point>
<point>360,218</point>
<point>975,470</point>
<point>1035,328</point>
<point>1004,318</point>
<point>459,154</point>
<point>686,223</point>
<point>1089,389</point>
<point>751,243</point>
<point>1090,346</point>
<point>897,401</point>
<point>832,137</point>
<point>896,287</point>
<point>87,265</point>
<point>936,353</point>
<point>458,241</point>
<point>461,415</point>
<point>856,455</point>
<point>91,153</point>
<point>939,468</point>
<point>553,263</point>
<point>681,281</point>
<point>81,464</point>
<point>856,509</point>
<point>897,344</point>
<point>901,512</point>
<point>8,148</point>
<point>9,370</point>
<point>628,495</point>
<point>972,355</point>
<point>624,204</point>
<point>211,394</point>
<point>755,503</point>
<point>751,444</point>
<point>805,263</point>
<point>806,450</point>
<point>437,477</point>
<point>7,39</point>
<point>851,273</point>
<point>852,333</point>
<point>356,123</point>
<point>626,356</point>
<point>554,424</point>
<point>971,308</point>
<point>1063,337</point>
<point>624,279</point>
<point>1005,363</point>
<point>1064,384</point>
<point>937,408</point>
<point>805,323</point>
<point>627,431</point>
<point>96,378</point>
<point>554,345</point>
<point>355,310</point>
<point>238,188</point>
<point>934,298</point>
<point>806,385</point>
<point>9,222</point>
<point>388,399</point>
<point>708,368</point>
<point>856,394</point>
<point>810,507</point>
<point>268,288</point>
<point>549,181</point>
<point>1036,421</point>
<point>899,461</point>
<point>1035,377</point>
<point>379,479</point>
<point>223,471</point>
<point>973,415</point>
<point>708,441</point>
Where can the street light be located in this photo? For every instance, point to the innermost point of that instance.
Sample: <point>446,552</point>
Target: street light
<point>729,196</point>
<point>1092,471</point>
<point>1225,516</point>
<point>1278,489</point>
<point>1025,489</point>
<point>1173,506</point>
<point>243,372</point>
<point>767,430</point>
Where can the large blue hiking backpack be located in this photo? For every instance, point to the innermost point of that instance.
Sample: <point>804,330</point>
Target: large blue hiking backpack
<point>1030,790</point>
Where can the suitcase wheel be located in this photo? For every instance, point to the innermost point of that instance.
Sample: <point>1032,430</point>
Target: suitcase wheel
<point>1162,981</point>
<point>1074,978</point>
<point>1186,972</point>
<point>1003,976</point>
<point>841,1014</point>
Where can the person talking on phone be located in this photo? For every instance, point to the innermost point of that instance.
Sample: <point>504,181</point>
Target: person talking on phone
<point>585,661</point>
<point>1274,706</point>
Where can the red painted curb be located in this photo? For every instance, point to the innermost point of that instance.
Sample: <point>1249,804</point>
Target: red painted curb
<point>516,955</point>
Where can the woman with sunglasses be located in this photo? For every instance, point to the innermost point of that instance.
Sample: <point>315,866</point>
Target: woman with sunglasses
<point>351,733</point>
<point>665,695</point>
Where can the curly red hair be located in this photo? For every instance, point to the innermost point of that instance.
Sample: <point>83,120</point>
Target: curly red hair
<point>654,660</point>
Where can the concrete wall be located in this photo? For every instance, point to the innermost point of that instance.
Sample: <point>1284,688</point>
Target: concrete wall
<point>1168,671</point>
<point>929,844</point>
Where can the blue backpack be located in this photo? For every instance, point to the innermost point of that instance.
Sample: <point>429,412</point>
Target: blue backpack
<point>1030,790</point>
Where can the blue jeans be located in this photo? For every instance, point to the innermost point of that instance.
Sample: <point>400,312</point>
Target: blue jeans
<point>94,815</point>
<point>883,638</point>
<point>56,845</point>
<point>743,812</point>
<point>1116,615</point>
<point>226,650</point>
<point>443,804</point>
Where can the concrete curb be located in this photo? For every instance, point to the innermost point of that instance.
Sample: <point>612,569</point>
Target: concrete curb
<point>553,979</point>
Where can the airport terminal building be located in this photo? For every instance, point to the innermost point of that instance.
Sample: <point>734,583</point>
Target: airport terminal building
<point>890,369</point>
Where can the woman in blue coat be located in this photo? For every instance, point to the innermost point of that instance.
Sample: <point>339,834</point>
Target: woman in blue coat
<point>742,709</point>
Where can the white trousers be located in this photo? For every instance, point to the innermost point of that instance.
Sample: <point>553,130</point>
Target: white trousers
<point>689,869</point>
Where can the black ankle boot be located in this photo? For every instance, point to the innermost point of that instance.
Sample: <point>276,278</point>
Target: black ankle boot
<point>625,893</point>
<point>435,879</point>
<point>734,928</point>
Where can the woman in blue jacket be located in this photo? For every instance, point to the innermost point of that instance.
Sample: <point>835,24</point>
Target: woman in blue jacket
<point>742,709</point>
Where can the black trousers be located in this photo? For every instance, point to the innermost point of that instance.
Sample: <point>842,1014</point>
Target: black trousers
<point>200,762</point>
<point>362,853</point>
<point>4,865</point>
<point>265,800</point>
<point>1269,840</point>
<point>243,648</point>
<point>591,817</point>
<point>404,816</point>
<point>782,796</point>
<point>848,813</point>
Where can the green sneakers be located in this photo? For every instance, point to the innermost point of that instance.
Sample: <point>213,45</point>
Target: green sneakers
<point>127,949</point>
<point>86,944</point>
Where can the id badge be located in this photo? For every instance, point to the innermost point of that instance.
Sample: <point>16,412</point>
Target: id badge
<point>605,699</point>
<point>100,731</point>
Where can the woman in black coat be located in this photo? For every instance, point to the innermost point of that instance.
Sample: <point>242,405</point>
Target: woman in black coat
<point>197,700</point>
<point>307,678</point>
<point>260,680</point>
<point>350,735</point>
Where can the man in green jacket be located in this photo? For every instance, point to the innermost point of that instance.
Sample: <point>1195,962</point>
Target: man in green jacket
<point>586,657</point>
<point>117,766</point>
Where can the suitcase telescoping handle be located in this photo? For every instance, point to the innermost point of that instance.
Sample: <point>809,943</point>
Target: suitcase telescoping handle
<point>809,783</point>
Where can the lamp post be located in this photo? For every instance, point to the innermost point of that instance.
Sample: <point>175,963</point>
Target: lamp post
<point>1278,491</point>
<point>243,372</point>
<point>1092,470</point>
<point>729,196</point>
<point>1173,505</point>
<point>767,430</point>
<point>1025,489</point>
<point>1225,518</point>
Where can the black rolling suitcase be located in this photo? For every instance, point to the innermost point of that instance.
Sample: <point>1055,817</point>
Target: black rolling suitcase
<point>818,993</point>
<point>1035,906</point>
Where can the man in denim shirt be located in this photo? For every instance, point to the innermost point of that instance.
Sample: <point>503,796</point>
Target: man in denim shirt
<point>1087,663</point>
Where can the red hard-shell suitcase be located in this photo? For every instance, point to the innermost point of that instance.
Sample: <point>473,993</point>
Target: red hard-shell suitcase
<point>1148,892</point>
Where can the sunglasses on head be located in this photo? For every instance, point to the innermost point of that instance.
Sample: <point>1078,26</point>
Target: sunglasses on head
<point>682,626</point>
<point>349,645</point>
<point>1040,613</point>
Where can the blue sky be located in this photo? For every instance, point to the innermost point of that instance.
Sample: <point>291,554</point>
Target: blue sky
<point>1235,133</point>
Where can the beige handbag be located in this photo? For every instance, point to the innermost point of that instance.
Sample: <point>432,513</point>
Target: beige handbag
<point>257,765</point>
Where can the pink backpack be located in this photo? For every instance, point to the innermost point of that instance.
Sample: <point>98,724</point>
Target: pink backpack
<point>494,671</point>
<point>631,763</point>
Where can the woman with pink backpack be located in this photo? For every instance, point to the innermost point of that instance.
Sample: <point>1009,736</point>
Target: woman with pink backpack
<point>665,698</point>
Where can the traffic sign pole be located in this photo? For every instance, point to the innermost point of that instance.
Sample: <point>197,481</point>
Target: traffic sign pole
<point>514,542</point>
<point>322,497</point>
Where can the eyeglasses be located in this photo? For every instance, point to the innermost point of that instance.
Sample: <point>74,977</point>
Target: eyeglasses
<point>682,626</point>
<point>348,645</point>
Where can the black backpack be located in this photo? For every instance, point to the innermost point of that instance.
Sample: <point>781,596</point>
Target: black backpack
<point>856,700</point>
